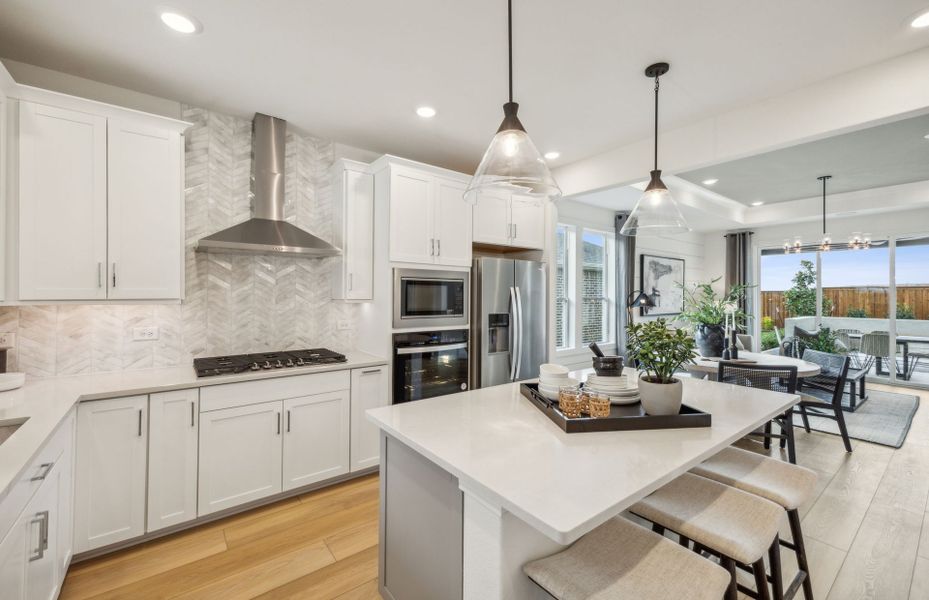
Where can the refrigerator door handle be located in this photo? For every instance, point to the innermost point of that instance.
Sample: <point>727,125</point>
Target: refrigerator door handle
<point>514,334</point>
<point>519,332</point>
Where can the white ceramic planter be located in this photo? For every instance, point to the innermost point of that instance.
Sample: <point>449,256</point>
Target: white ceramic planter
<point>661,398</point>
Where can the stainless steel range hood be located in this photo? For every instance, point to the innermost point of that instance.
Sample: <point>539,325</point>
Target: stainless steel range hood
<point>267,231</point>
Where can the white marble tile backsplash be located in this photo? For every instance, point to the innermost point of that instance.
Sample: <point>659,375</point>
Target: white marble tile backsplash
<point>234,303</point>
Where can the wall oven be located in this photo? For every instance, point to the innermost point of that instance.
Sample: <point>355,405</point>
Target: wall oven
<point>429,364</point>
<point>425,298</point>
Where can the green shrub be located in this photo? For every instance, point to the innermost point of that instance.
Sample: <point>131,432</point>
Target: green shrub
<point>857,313</point>
<point>768,340</point>
<point>905,311</point>
<point>767,324</point>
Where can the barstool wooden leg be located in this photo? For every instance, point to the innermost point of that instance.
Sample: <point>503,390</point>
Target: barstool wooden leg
<point>777,577</point>
<point>793,517</point>
<point>761,580</point>
<point>733,592</point>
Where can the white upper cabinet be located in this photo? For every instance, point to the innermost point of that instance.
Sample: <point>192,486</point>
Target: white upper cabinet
<point>353,228</point>
<point>510,220</point>
<point>452,224</point>
<point>430,221</point>
<point>172,458</point>
<point>62,208</point>
<point>100,202</point>
<point>144,216</point>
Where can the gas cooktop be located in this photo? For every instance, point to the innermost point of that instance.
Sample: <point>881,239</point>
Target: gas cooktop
<point>264,361</point>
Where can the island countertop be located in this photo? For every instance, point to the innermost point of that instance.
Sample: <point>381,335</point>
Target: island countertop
<point>507,452</point>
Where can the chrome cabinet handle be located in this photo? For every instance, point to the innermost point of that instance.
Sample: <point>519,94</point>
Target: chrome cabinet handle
<point>44,470</point>
<point>514,231</point>
<point>431,246</point>
<point>288,421</point>
<point>42,519</point>
<point>99,274</point>
<point>438,247</point>
<point>279,423</point>
<point>370,371</point>
<point>114,274</point>
<point>192,407</point>
<point>140,422</point>
<point>351,281</point>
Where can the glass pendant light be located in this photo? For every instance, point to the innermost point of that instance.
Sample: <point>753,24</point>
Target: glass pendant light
<point>656,211</point>
<point>826,244</point>
<point>512,163</point>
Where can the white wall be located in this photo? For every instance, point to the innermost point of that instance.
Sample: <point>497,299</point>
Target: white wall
<point>688,246</point>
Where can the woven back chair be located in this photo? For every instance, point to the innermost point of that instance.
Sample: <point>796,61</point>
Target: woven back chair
<point>822,394</point>
<point>765,377</point>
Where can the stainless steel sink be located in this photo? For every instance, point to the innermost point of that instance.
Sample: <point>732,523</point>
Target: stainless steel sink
<point>8,428</point>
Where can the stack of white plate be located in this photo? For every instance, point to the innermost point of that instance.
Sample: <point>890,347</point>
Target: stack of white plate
<point>621,390</point>
<point>551,378</point>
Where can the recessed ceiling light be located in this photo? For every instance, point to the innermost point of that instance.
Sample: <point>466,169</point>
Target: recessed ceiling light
<point>921,21</point>
<point>180,23</point>
<point>926,136</point>
<point>426,112</point>
<point>552,155</point>
<point>710,181</point>
<point>757,203</point>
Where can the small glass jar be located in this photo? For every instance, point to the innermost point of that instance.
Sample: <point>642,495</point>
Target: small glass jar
<point>598,406</point>
<point>569,401</point>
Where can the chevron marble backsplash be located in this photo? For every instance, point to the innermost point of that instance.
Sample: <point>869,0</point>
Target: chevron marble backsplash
<point>234,303</point>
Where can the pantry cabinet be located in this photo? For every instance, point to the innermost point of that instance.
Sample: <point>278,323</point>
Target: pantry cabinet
<point>369,390</point>
<point>172,458</point>
<point>316,438</point>
<point>110,471</point>
<point>353,229</point>
<point>430,221</point>
<point>100,202</point>
<point>505,219</point>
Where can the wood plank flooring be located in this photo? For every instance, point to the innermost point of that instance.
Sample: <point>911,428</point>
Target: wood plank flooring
<point>867,532</point>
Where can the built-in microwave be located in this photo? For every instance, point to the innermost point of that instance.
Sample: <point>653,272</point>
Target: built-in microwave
<point>426,298</point>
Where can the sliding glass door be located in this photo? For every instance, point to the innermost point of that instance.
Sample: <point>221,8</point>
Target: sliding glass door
<point>911,325</point>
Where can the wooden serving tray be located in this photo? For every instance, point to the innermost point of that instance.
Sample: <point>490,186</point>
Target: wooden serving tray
<point>630,417</point>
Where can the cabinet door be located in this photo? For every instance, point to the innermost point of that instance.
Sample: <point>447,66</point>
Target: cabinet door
<point>65,467</point>
<point>112,445</point>
<point>43,574</point>
<point>14,554</point>
<point>62,204</point>
<point>359,239</point>
<point>411,216</point>
<point>452,224</point>
<point>528,217</point>
<point>145,212</point>
<point>492,218</point>
<point>316,439</point>
<point>240,456</point>
<point>369,390</point>
<point>172,458</point>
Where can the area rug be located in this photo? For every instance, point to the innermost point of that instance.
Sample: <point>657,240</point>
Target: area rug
<point>884,419</point>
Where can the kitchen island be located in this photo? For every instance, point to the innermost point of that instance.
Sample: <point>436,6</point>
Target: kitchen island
<point>476,484</point>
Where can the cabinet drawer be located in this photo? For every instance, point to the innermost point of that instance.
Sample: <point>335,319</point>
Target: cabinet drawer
<point>30,480</point>
<point>231,395</point>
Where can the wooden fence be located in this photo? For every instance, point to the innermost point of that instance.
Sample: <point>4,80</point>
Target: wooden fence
<point>873,300</point>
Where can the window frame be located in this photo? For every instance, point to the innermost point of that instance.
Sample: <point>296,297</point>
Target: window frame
<point>570,297</point>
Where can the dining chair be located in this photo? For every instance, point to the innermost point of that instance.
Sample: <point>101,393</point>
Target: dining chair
<point>876,345</point>
<point>766,377</point>
<point>821,395</point>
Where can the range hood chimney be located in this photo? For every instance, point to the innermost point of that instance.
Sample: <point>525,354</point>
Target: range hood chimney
<point>267,231</point>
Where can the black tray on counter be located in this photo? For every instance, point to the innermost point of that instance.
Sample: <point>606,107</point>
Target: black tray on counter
<point>629,417</point>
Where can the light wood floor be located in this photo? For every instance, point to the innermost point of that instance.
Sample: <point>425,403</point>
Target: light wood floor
<point>867,534</point>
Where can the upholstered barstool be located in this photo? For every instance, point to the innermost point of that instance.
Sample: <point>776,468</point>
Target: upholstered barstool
<point>621,560</point>
<point>737,526</point>
<point>780,482</point>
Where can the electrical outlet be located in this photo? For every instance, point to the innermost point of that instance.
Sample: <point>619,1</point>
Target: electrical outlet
<point>144,334</point>
<point>344,324</point>
<point>8,340</point>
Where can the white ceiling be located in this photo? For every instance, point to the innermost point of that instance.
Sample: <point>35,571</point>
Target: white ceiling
<point>876,157</point>
<point>353,71</point>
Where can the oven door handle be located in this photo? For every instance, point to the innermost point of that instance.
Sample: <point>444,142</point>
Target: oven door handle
<point>429,349</point>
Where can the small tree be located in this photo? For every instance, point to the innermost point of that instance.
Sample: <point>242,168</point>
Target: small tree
<point>800,300</point>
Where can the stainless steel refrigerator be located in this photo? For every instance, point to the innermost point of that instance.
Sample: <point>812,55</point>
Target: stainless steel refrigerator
<point>509,320</point>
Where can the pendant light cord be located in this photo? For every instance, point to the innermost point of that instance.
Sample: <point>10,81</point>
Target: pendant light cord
<point>656,122</point>
<point>509,26</point>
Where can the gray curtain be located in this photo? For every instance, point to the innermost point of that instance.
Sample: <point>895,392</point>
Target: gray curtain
<point>625,280</point>
<point>738,260</point>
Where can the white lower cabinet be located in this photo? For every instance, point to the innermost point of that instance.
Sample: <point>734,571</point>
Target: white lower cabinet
<point>13,559</point>
<point>112,444</point>
<point>369,390</point>
<point>240,455</point>
<point>42,527</point>
<point>316,438</point>
<point>172,458</point>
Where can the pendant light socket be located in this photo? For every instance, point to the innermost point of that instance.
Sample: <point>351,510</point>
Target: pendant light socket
<point>510,121</point>
<point>656,183</point>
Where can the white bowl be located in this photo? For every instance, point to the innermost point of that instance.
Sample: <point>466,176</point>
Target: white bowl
<point>556,381</point>
<point>553,370</point>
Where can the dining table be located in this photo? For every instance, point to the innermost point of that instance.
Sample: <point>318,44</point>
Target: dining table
<point>710,365</point>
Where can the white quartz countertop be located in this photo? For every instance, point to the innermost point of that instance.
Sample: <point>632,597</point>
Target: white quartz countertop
<point>509,454</point>
<point>44,402</point>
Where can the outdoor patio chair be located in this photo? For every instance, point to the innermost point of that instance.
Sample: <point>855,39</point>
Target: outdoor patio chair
<point>876,346</point>
<point>821,395</point>
<point>776,379</point>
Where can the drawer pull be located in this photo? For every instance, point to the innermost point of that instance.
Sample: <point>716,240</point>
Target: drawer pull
<point>370,371</point>
<point>44,470</point>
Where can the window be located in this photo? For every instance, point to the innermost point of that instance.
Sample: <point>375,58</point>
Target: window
<point>584,294</point>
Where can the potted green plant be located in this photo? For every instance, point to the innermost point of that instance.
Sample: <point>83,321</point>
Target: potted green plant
<point>660,352</point>
<point>706,311</point>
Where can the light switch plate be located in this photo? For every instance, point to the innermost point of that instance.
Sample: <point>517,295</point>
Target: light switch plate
<point>8,340</point>
<point>144,334</point>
